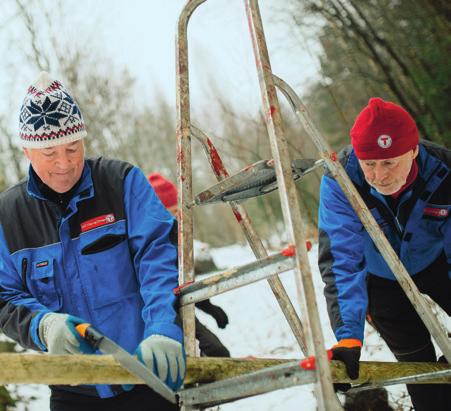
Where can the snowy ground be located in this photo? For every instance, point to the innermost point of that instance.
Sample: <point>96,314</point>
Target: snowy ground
<point>258,328</point>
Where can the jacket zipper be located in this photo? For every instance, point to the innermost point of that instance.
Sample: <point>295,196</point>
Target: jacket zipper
<point>394,218</point>
<point>24,271</point>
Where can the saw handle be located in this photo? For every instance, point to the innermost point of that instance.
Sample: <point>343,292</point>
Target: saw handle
<point>90,334</point>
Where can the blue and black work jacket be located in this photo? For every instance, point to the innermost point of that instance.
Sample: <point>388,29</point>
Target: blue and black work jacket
<point>109,258</point>
<point>418,228</point>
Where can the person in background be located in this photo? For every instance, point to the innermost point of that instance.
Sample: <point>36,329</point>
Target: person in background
<point>87,240</point>
<point>209,344</point>
<point>406,185</point>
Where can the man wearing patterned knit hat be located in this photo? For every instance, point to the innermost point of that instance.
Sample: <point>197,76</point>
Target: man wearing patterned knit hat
<point>209,344</point>
<point>406,185</point>
<point>87,240</point>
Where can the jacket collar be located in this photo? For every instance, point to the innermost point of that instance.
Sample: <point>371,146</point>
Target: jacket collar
<point>85,188</point>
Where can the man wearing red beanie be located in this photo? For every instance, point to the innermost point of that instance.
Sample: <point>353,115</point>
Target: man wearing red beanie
<point>209,343</point>
<point>406,186</point>
<point>165,190</point>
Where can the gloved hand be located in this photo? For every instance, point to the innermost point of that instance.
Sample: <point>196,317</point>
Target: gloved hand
<point>219,315</point>
<point>347,351</point>
<point>216,312</point>
<point>57,332</point>
<point>165,357</point>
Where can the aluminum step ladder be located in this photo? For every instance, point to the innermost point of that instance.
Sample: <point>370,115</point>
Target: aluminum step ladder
<point>310,337</point>
<point>258,179</point>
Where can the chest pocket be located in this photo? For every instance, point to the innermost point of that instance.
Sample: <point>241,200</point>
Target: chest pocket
<point>106,266</point>
<point>43,284</point>
<point>103,243</point>
<point>429,231</point>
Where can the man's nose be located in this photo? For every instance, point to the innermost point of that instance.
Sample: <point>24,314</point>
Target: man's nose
<point>63,161</point>
<point>380,172</point>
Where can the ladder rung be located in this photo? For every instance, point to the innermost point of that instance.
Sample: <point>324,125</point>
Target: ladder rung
<point>252,181</point>
<point>247,385</point>
<point>237,277</point>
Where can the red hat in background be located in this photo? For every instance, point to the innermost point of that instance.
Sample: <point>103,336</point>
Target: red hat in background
<point>165,189</point>
<point>383,130</point>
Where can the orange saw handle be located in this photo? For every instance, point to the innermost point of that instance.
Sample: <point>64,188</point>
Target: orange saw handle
<point>90,334</point>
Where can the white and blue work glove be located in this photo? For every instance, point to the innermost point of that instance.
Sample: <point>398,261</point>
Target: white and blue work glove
<point>165,357</point>
<point>57,332</point>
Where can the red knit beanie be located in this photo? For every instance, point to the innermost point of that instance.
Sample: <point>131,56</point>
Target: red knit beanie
<point>165,189</point>
<point>383,130</point>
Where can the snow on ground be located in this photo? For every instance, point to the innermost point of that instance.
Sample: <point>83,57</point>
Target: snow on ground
<point>257,327</point>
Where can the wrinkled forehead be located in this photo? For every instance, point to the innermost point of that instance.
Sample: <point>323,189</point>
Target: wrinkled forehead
<point>77,144</point>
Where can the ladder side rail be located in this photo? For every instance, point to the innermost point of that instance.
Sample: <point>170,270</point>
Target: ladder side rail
<point>254,241</point>
<point>248,385</point>
<point>326,397</point>
<point>184,171</point>
<point>418,379</point>
<point>418,301</point>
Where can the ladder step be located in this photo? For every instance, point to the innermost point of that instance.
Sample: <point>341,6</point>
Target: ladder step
<point>252,181</point>
<point>237,277</point>
<point>247,385</point>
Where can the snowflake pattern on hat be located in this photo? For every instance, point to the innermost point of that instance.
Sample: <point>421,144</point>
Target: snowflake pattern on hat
<point>49,116</point>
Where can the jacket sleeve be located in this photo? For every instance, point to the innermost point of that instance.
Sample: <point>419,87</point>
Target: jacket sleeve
<point>150,230</point>
<point>20,312</point>
<point>341,261</point>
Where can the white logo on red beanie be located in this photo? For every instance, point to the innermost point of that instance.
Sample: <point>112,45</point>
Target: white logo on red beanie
<point>384,141</point>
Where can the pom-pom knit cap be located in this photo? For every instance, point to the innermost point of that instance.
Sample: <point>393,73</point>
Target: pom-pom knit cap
<point>49,116</point>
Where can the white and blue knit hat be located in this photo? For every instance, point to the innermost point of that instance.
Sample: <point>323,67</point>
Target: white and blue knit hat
<point>49,116</point>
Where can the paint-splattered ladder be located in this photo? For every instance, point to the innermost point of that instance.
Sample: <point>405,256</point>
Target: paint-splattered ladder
<point>236,188</point>
<point>310,338</point>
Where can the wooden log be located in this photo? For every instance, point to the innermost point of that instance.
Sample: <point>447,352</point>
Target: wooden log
<point>103,369</point>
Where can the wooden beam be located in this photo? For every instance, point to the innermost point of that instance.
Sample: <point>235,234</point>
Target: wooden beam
<point>103,369</point>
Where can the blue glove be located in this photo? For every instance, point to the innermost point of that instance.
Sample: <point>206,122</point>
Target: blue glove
<point>57,332</point>
<point>165,357</point>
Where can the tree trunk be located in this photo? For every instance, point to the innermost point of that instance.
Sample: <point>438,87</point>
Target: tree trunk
<point>103,369</point>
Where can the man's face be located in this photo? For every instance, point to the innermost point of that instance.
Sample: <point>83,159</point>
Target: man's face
<point>59,167</point>
<point>389,175</point>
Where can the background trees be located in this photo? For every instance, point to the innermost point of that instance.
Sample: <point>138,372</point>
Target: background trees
<point>398,50</point>
<point>395,49</point>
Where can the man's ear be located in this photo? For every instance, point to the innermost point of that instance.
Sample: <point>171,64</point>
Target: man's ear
<point>415,152</point>
<point>26,152</point>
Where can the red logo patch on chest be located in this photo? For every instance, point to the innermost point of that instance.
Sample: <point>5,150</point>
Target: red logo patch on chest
<point>436,212</point>
<point>97,222</point>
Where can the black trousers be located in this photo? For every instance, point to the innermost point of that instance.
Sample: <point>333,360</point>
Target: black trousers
<point>140,398</point>
<point>209,344</point>
<point>396,320</point>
